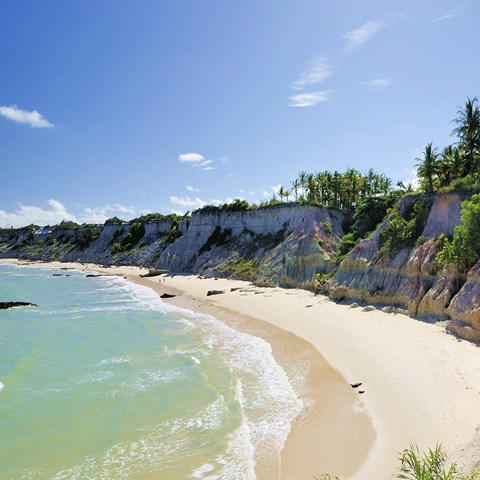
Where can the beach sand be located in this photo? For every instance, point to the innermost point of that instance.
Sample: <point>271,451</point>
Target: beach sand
<point>420,384</point>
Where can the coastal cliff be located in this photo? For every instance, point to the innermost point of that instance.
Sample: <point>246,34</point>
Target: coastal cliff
<point>287,245</point>
<point>280,245</point>
<point>409,277</point>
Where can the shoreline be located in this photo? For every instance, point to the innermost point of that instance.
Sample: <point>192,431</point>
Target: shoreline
<point>421,385</point>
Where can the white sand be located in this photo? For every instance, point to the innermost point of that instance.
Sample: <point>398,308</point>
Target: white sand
<point>421,384</point>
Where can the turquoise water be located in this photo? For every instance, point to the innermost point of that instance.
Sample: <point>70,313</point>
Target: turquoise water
<point>105,381</point>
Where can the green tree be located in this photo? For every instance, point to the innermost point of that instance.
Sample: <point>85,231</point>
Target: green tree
<point>468,133</point>
<point>464,249</point>
<point>427,167</point>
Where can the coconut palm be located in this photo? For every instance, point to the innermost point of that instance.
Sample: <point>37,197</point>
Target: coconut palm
<point>468,132</point>
<point>427,166</point>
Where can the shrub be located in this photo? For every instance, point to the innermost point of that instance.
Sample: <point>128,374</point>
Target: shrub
<point>87,236</point>
<point>218,237</point>
<point>113,220</point>
<point>240,268</point>
<point>326,228</point>
<point>117,247</point>
<point>464,249</point>
<point>404,230</point>
<point>429,466</point>
<point>137,231</point>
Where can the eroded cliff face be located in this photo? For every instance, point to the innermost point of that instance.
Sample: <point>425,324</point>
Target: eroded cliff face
<point>282,245</point>
<point>409,278</point>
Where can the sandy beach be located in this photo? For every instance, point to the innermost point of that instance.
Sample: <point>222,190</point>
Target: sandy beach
<point>420,384</point>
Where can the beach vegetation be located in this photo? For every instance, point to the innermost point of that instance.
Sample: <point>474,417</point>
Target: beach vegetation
<point>464,249</point>
<point>88,235</point>
<point>217,238</point>
<point>173,233</point>
<point>240,268</point>
<point>404,229</point>
<point>430,465</point>
<point>113,220</point>
<point>134,235</point>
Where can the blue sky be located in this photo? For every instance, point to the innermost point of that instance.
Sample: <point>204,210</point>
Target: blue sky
<point>122,107</point>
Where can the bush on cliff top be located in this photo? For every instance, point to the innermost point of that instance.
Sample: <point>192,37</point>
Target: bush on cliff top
<point>464,249</point>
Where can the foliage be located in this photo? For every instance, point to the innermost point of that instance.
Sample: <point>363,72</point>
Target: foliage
<point>218,237</point>
<point>118,233</point>
<point>87,236</point>
<point>241,268</point>
<point>403,230</point>
<point>464,249</point>
<point>427,167</point>
<point>173,233</point>
<point>66,225</point>
<point>117,247</point>
<point>136,232</point>
<point>113,220</point>
<point>236,206</point>
<point>429,466</point>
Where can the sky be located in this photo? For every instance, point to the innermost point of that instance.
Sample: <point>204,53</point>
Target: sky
<point>135,106</point>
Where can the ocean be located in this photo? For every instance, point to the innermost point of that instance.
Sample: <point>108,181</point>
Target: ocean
<point>105,381</point>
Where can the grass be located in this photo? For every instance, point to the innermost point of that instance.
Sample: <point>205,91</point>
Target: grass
<point>240,268</point>
<point>430,465</point>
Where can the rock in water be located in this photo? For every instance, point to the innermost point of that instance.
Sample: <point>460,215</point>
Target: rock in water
<point>5,305</point>
<point>215,292</point>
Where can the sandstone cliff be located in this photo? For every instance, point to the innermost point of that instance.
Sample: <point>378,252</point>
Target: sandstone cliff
<point>281,245</point>
<point>409,278</point>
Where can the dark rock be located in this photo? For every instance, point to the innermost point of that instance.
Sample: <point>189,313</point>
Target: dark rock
<point>153,272</point>
<point>94,275</point>
<point>167,295</point>
<point>234,289</point>
<point>215,292</point>
<point>361,391</point>
<point>5,305</point>
<point>309,306</point>
<point>355,385</point>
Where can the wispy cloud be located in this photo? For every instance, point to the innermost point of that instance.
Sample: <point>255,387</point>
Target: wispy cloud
<point>361,35</point>
<point>33,119</point>
<point>191,157</point>
<point>319,70</point>
<point>192,189</point>
<point>196,160</point>
<point>55,211</point>
<point>187,202</point>
<point>308,99</point>
<point>379,83</point>
<point>454,12</point>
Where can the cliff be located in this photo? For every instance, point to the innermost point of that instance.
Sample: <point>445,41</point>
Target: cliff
<point>281,245</point>
<point>409,277</point>
<point>287,245</point>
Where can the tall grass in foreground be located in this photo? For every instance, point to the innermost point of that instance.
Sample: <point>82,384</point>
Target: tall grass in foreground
<point>430,465</point>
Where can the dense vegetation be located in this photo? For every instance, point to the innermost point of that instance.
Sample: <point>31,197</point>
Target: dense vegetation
<point>464,249</point>
<point>457,166</point>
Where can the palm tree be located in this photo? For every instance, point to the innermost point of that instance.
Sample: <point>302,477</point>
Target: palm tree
<point>427,166</point>
<point>468,132</point>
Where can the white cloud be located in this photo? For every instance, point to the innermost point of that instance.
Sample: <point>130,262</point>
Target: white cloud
<point>187,202</point>
<point>379,83</point>
<point>55,212</point>
<point>318,71</point>
<point>192,189</point>
<point>34,119</point>
<point>308,99</point>
<point>196,160</point>
<point>454,12</point>
<point>361,35</point>
<point>190,157</point>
